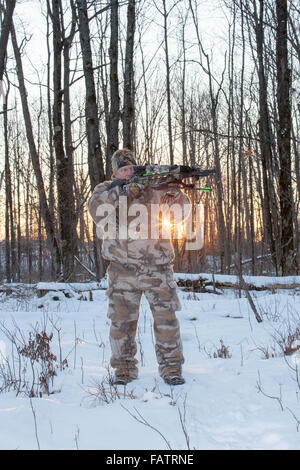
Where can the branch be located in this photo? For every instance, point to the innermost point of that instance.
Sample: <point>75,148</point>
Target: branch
<point>85,267</point>
<point>142,420</point>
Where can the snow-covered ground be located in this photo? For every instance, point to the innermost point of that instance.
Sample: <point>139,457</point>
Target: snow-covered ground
<point>248,400</point>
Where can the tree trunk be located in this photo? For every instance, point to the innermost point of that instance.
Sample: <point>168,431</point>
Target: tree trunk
<point>49,223</point>
<point>8,272</point>
<point>288,258</point>
<point>128,108</point>
<point>114,113</point>
<point>64,164</point>
<point>266,141</point>
<point>95,157</point>
<point>223,252</point>
<point>51,197</point>
<point>168,84</point>
<point>183,98</point>
<point>5,29</point>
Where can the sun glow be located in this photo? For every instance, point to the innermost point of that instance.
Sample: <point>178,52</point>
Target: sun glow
<point>175,230</point>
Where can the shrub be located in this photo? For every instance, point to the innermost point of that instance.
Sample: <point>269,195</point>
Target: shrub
<point>32,365</point>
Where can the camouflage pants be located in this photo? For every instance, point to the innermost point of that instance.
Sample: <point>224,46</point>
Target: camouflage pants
<point>125,288</point>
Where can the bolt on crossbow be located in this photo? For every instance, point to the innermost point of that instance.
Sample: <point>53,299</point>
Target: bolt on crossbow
<point>164,176</point>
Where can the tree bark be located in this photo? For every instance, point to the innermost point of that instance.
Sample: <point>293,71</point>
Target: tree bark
<point>269,202</point>
<point>168,84</point>
<point>5,30</point>
<point>8,198</point>
<point>114,113</point>
<point>214,97</point>
<point>95,156</point>
<point>128,108</point>
<point>63,135</point>
<point>49,223</point>
<point>288,258</point>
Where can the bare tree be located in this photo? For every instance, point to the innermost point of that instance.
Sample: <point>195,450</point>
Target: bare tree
<point>64,161</point>
<point>288,258</point>
<point>9,229</point>
<point>114,112</point>
<point>95,157</point>
<point>48,221</point>
<point>95,154</point>
<point>214,102</point>
<point>165,14</point>
<point>128,107</point>
<point>255,19</point>
<point>6,24</point>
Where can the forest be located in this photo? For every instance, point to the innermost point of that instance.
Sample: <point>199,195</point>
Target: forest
<point>209,84</point>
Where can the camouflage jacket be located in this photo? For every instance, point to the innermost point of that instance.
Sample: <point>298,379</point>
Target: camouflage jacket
<point>151,248</point>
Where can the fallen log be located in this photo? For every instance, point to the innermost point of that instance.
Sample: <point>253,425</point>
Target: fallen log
<point>201,282</point>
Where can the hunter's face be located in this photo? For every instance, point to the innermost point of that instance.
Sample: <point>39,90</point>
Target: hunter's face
<point>124,173</point>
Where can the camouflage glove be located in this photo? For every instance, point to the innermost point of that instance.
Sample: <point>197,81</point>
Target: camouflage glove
<point>133,190</point>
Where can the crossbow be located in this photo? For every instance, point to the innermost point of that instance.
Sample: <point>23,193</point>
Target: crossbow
<point>163,176</point>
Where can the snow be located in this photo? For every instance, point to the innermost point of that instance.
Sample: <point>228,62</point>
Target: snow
<point>244,402</point>
<point>258,281</point>
<point>75,286</point>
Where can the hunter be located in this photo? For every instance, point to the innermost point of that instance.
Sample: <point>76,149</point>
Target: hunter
<point>136,267</point>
